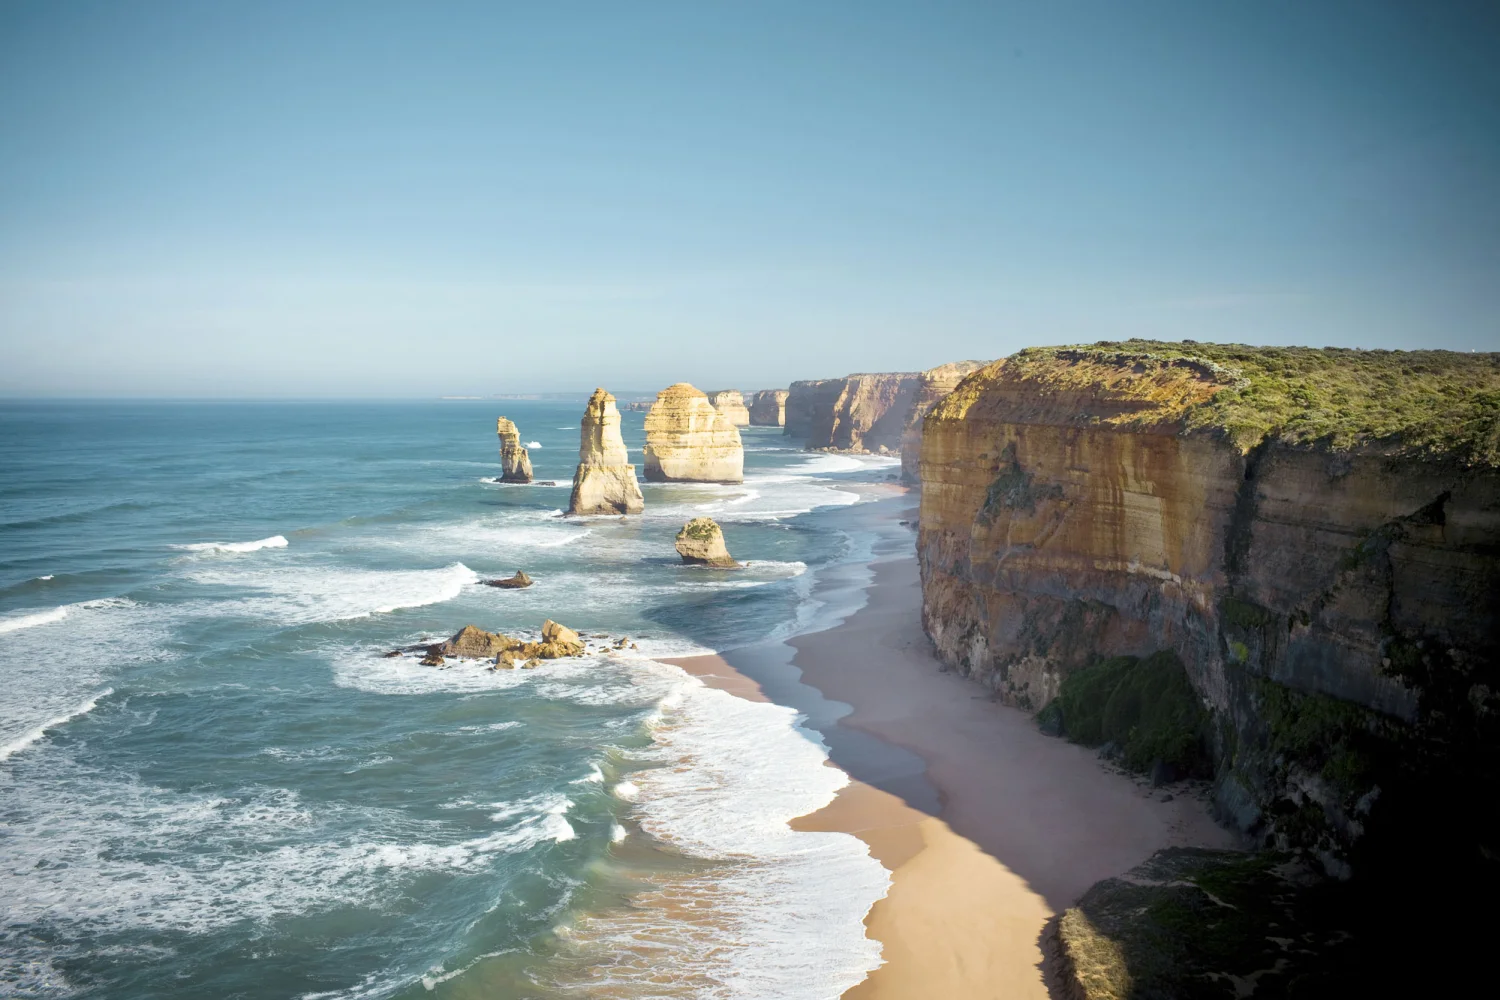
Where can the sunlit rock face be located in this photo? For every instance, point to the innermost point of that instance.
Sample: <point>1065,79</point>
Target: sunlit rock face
<point>1078,504</point>
<point>932,385</point>
<point>515,462</point>
<point>731,404</point>
<point>687,440</point>
<point>768,408</point>
<point>605,480</point>
<point>861,413</point>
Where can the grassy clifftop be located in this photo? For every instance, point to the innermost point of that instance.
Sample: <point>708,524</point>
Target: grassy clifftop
<point>1435,402</point>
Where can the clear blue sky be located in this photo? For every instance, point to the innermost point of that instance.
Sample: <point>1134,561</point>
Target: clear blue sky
<point>374,198</point>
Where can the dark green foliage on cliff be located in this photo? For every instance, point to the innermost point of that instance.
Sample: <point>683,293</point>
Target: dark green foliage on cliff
<point>1334,738</point>
<point>1193,923</point>
<point>1146,707</point>
<point>1433,402</point>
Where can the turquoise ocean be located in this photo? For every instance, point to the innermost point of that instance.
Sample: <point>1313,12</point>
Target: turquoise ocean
<point>213,783</point>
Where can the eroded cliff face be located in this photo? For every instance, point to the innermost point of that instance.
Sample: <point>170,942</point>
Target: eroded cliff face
<point>604,482</point>
<point>688,440</point>
<point>1337,608</point>
<point>865,413</point>
<point>515,461</point>
<point>731,404</point>
<point>768,408</point>
<point>932,385</point>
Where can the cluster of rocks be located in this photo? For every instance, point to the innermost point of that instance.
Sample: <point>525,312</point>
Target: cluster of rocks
<point>473,643</point>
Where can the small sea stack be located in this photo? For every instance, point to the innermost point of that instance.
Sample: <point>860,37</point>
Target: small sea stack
<point>605,481</point>
<point>701,543</point>
<point>516,582</point>
<point>515,463</point>
<point>768,408</point>
<point>687,440</point>
<point>731,404</point>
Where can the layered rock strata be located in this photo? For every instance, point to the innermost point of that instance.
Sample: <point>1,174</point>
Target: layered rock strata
<point>932,385</point>
<point>731,404</point>
<point>687,440</point>
<point>862,413</point>
<point>515,463</point>
<point>605,480</point>
<point>1314,534</point>
<point>768,408</point>
<point>701,543</point>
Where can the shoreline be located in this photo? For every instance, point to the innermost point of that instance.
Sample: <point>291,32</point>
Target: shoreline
<point>988,827</point>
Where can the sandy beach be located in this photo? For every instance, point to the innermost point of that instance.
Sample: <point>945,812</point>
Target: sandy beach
<point>988,826</point>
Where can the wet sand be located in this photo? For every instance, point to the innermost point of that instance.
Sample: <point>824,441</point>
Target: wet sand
<point>988,826</point>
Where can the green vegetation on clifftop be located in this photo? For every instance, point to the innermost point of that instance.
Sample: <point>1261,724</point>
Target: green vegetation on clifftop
<point>1434,402</point>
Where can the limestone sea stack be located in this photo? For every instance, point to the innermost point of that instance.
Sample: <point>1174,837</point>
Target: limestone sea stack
<point>768,408</point>
<point>701,543</point>
<point>515,463</point>
<point>732,405</point>
<point>860,413</point>
<point>932,385</point>
<point>605,480</point>
<point>687,440</point>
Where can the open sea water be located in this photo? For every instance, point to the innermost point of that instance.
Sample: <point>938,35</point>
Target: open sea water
<point>213,783</point>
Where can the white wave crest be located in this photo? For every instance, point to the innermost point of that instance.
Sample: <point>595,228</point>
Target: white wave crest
<point>274,542</point>
<point>26,739</point>
<point>533,444</point>
<point>300,594</point>
<point>33,619</point>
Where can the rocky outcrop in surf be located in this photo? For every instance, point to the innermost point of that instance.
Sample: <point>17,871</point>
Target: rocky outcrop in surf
<point>1282,563</point>
<point>932,385</point>
<point>473,643</point>
<point>701,543</point>
<point>515,463</point>
<point>860,413</point>
<point>605,480</point>
<point>687,440</point>
<point>517,582</point>
<point>731,404</point>
<point>768,408</point>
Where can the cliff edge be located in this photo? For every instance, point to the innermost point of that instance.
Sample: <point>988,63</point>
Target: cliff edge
<point>932,385</point>
<point>1313,535</point>
<point>863,412</point>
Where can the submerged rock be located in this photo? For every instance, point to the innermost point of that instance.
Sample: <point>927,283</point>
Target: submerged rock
<point>701,542</point>
<point>605,481</point>
<point>511,583</point>
<point>515,462</point>
<point>687,440</point>
<point>732,405</point>
<point>432,660</point>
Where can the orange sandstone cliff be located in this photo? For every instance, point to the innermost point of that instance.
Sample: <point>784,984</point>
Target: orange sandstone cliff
<point>932,385</point>
<point>1314,534</point>
<point>865,413</point>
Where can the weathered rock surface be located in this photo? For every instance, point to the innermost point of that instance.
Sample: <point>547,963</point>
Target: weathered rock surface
<point>701,542</point>
<point>730,403</point>
<point>932,385</point>
<point>768,408</point>
<point>605,480</point>
<point>516,582</point>
<point>687,440</point>
<point>473,642</point>
<point>864,413</point>
<point>515,463</point>
<point>1315,534</point>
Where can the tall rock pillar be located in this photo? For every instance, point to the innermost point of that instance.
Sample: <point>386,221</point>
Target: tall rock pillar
<point>605,480</point>
<point>515,463</point>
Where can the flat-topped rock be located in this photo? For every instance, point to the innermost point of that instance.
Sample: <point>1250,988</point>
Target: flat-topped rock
<point>605,480</point>
<point>731,404</point>
<point>515,463</point>
<point>701,543</point>
<point>688,440</point>
<point>768,408</point>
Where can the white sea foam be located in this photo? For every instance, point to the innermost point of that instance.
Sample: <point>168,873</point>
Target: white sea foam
<point>533,444</point>
<point>274,542</point>
<point>47,577</point>
<point>26,739</point>
<point>297,594</point>
<point>787,907</point>
<point>32,620</point>
<point>117,862</point>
